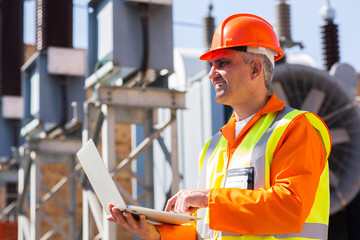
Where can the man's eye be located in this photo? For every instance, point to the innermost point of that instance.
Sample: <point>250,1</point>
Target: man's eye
<point>222,64</point>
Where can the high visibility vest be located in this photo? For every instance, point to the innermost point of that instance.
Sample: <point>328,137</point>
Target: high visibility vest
<point>258,148</point>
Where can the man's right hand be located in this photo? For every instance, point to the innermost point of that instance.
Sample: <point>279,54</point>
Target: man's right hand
<point>188,201</point>
<point>141,228</point>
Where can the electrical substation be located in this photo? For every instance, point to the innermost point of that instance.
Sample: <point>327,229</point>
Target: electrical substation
<point>147,107</point>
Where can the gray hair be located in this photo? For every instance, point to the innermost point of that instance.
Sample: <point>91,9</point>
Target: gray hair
<point>268,68</point>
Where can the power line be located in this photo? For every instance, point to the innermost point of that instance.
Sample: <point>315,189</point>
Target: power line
<point>187,24</point>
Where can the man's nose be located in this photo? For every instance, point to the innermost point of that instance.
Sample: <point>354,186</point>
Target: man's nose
<point>213,73</point>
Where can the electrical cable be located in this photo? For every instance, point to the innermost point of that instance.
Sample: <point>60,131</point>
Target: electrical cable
<point>144,15</point>
<point>64,99</point>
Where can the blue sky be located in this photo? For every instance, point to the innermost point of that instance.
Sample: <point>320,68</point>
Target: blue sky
<point>305,22</point>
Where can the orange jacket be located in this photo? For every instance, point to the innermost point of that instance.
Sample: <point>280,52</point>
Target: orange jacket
<point>294,176</point>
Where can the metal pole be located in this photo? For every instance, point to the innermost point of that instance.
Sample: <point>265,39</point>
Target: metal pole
<point>108,154</point>
<point>149,160</point>
<point>35,189</point>
<point>72,198</point>
<point>174,154</point>
<point>86,214</point>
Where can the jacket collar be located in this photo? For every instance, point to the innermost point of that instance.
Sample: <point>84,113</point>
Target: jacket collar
<point>272,105</point>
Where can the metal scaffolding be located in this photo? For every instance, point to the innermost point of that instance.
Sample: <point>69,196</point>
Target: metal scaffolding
<point>31,214</point>
<point>109,106</point>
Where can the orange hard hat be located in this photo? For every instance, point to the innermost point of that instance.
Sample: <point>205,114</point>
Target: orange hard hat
<point>244,30</point>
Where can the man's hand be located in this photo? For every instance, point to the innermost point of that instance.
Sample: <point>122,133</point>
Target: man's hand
<point>188,201</point>
<point>140,228</point>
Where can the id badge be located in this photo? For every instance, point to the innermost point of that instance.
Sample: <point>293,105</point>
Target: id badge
<point>242,178</point>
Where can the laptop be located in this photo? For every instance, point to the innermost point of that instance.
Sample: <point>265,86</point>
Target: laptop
<point>107,192</point>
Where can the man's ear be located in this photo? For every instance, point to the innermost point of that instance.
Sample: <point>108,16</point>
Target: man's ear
<point>256,67</point>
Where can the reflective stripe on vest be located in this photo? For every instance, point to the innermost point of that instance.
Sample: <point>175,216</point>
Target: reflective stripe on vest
<point>257,149</point>
<point>213,143</point>
<point>309,231</point>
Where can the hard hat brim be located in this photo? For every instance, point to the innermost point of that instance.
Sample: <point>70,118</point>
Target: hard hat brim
<point>206,56</point>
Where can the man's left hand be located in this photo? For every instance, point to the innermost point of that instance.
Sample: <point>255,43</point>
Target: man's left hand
<point>188,201</point>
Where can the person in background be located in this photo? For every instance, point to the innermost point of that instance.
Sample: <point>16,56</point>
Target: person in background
<point>265,174</point>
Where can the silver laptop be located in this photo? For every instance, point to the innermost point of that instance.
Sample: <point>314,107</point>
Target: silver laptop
<point>107,192</point>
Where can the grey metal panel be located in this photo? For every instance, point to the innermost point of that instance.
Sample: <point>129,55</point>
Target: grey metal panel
<point>8,176</point>
<point>128,36</point>
<point>161,37</point>
<point>92,42</point>
<point>75,93</point>
<point>49,93</point>
<point>25,81</point>
<point>6,137</point>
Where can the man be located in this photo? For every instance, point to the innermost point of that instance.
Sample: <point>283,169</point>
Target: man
<point>265,175</point>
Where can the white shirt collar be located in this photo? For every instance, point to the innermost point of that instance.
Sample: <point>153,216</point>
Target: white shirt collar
<point>241,124</point>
